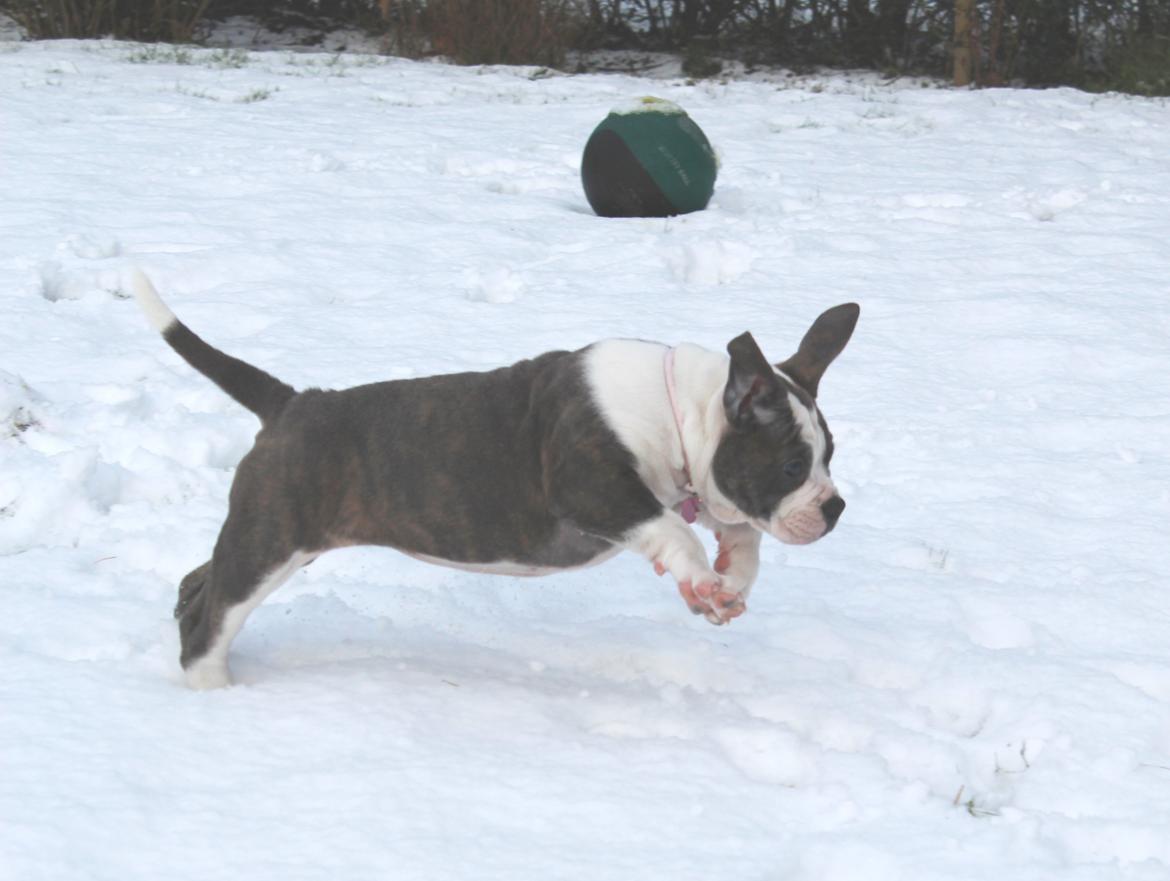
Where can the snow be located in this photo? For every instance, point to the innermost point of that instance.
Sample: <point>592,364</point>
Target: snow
<point>969,679</point>
<point>647,104</point>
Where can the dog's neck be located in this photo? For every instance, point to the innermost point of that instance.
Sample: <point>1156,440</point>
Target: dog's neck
<point>628,378</point>
<point>690,505</point>
<point>699,424</point>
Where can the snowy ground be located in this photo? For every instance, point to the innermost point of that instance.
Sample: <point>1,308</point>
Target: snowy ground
<point>970,679</point>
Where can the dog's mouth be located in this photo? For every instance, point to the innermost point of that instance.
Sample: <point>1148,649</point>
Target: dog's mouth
<point>799,528</point>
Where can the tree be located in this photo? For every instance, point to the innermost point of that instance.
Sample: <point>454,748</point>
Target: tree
<point>962,55</point>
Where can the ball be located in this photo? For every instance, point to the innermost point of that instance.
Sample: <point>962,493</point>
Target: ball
<point>648,159</point>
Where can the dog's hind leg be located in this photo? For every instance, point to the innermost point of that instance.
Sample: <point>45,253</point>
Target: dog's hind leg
<point>253,556</point>
<point>216,613</point>
<point>191,589</point>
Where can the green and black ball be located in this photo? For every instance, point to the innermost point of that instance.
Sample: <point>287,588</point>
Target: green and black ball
<point>648,159</point>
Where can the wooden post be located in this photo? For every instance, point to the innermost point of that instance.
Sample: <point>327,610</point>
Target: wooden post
<point>962,55</point>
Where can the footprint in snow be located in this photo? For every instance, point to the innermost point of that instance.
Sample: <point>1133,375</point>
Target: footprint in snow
<point>709,262</point>
<point>55,282</point>
<point>499,285</point>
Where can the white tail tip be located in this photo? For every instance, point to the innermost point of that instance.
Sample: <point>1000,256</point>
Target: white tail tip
<point>157,313</point>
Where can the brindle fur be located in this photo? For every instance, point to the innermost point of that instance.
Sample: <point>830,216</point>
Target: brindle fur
<point>541,481</point>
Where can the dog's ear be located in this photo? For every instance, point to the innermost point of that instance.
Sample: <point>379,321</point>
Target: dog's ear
<point>752,393</point>
<point>823,343</point>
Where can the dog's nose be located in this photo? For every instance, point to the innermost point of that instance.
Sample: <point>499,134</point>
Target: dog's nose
<point>831,510</point>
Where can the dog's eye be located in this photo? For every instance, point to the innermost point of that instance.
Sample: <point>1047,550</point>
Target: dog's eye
<point>793,467</point>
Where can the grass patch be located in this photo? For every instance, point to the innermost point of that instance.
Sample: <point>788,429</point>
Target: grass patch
<point>256,95</point>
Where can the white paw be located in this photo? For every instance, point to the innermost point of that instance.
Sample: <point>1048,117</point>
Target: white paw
<point>709,597</point>
<point>206,674</point>
<point>739,567</point>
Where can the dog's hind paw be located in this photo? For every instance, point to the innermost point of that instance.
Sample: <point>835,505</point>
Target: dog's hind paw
<point>207,673</point>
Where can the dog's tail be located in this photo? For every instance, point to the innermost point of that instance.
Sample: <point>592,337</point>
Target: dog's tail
<point>260,392</point>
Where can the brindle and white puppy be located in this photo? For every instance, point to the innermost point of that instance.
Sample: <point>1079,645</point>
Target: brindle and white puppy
<point>553,463</point>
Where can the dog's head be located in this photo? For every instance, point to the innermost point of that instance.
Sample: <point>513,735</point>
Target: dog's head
<point>771,465</point>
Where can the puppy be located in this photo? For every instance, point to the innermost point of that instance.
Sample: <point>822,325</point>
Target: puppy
<point>553,463</point>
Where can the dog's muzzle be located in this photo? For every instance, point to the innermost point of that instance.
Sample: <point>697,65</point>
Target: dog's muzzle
<point>810,523</point>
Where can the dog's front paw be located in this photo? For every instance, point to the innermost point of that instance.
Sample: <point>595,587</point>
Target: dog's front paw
<point>738,563</point>
<point>670,546</point>
<point>708,596</point>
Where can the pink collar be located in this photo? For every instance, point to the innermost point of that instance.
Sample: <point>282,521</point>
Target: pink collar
<point>690,505</point>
